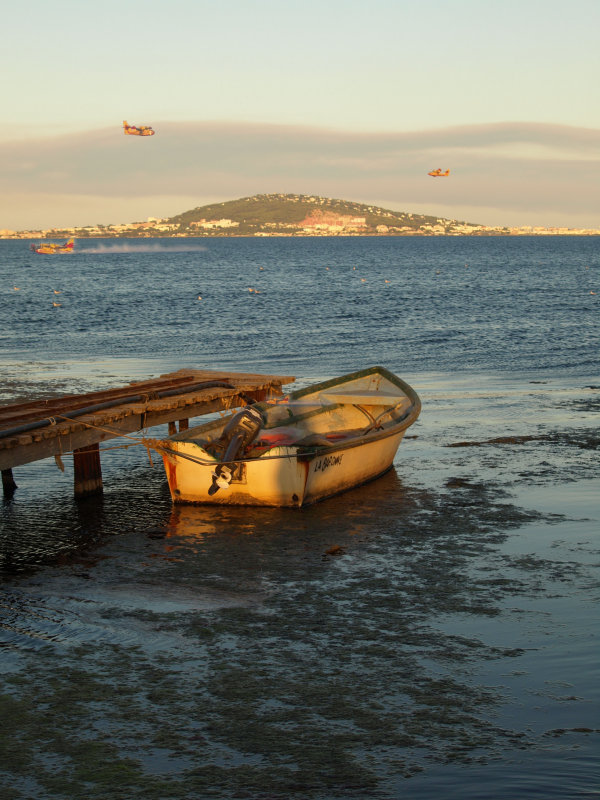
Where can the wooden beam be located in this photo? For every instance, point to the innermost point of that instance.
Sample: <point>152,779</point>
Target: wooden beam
<point>8,483</point>
<point>66,438</point>
<point>87,471</point>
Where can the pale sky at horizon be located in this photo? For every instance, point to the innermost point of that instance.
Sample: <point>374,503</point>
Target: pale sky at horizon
<point>347,96</point>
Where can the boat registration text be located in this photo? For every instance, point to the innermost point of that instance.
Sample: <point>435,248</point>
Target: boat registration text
<point>321,464</point>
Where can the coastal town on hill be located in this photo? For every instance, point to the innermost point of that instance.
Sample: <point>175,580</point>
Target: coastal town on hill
<point>292,215</point>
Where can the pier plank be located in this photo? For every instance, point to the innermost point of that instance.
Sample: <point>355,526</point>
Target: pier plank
<point>38,429</point>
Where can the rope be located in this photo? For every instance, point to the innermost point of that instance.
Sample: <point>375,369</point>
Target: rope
<point>134,441</point>
<point>100,428</point>
<point>159,446</point>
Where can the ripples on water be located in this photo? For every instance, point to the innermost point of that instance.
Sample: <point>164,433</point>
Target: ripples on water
<point>320,305</point>
<point>157,651</point>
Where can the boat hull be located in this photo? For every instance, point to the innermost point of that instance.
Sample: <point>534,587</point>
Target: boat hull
<point>284,478</point>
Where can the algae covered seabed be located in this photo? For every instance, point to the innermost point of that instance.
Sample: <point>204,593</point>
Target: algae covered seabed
<point>430,634</point>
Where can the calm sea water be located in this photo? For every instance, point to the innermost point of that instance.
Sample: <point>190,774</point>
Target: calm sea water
<point>449,651</point>
<point>324,305</point>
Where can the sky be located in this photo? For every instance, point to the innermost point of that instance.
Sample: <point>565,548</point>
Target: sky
<point>338,98</point>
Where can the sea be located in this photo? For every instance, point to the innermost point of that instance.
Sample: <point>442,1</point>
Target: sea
<point>432,634</point>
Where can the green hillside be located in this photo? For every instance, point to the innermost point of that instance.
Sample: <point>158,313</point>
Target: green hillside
<point>291,209</point>
<point>291,213</point>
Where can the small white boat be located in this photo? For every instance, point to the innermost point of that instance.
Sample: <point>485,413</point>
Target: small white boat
<point>309,445</point>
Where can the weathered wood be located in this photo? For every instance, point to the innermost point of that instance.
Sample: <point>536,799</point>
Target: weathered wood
<point>87,473</point>
<point>184,424</point>
<point>35,409</point>
<point>8,482</point>
<point>65,436</point>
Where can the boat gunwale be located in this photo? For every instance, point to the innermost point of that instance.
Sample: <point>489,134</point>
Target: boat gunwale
<point>314,388</point>
<point>362,373</point>
<point>300,452</point>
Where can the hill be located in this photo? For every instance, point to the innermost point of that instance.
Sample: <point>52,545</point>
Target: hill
<point>292,214</point>
<point>278,215</point>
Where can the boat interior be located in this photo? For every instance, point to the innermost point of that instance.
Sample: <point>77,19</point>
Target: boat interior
<point>326,415</point>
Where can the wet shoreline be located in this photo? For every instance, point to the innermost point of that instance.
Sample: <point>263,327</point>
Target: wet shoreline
<point>432,626</point>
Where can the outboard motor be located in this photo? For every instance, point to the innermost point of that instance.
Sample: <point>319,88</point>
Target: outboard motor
<point>239,432</point>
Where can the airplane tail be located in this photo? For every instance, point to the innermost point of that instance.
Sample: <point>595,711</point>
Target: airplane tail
<point>70,244</point>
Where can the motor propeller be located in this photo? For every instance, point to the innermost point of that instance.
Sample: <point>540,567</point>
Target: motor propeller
<point>239,432</point>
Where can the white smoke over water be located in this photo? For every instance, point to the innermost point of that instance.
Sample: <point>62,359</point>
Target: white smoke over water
<point>142,248</point>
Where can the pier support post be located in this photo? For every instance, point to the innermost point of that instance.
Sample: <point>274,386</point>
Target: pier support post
<point>184,424</point>
<point>8,483</point>
<point>87,471</point>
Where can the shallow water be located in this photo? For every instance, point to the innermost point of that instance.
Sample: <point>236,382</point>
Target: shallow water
<point>448,649</point>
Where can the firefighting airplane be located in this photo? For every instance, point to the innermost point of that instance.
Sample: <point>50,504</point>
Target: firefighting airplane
<point>137,130</point>
<point>437,173</point>
<point>49,249</point>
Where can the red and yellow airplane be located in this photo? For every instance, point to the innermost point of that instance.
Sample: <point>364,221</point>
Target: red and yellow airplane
<point>437,173</point>
<point>49,249</point>
<point>137,130</point>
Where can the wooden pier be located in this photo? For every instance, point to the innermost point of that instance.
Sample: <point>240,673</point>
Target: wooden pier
<point>76,424</point>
